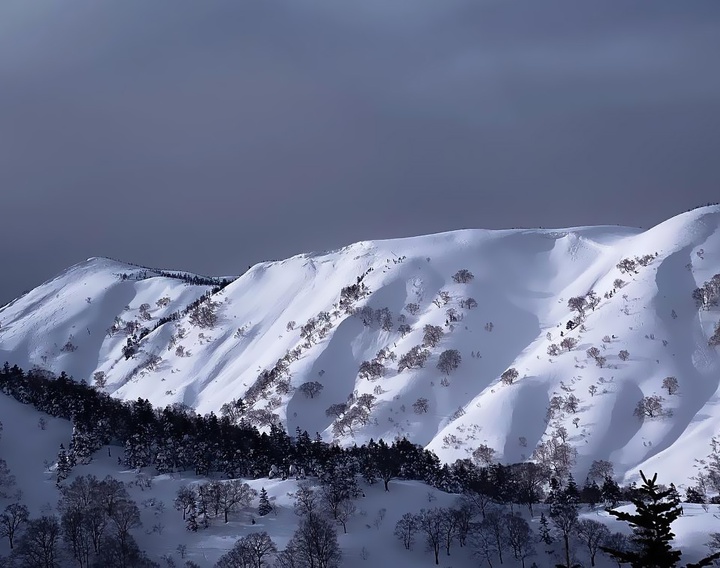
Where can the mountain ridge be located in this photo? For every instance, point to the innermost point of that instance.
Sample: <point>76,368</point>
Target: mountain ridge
<point>523,279</point>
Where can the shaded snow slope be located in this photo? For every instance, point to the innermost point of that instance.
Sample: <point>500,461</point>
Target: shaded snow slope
<point>522,282</point>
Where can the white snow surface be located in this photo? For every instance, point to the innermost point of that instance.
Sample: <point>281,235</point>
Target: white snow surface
<point>30,453</point>
<point>522,282</point>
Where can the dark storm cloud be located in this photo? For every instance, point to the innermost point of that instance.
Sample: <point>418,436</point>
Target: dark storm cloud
<point>212,135</point>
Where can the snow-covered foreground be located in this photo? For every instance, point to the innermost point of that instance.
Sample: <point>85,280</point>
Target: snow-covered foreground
<point>30,451</point>
<point>291,310</point>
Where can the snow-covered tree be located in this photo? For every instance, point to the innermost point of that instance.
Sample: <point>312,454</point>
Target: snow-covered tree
<point>264,506</point>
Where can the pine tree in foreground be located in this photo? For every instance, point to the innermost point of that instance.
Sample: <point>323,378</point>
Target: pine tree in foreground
<point>264,507</point>
<point>655,511</point>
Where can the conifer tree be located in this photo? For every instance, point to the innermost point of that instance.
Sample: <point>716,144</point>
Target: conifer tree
<point>64,465</point>
<point>655,511</point>
<point>191,523</point>
<point>264,507</point>
<point>545,535</point>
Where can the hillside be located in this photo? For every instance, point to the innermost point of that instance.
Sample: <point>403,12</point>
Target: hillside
<point>318,317</point>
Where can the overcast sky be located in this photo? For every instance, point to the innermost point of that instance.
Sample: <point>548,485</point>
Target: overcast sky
<point>210,135</point>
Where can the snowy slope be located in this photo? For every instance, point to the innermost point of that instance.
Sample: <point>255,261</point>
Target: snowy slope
<point>522,282</point>
<point>30,452</point>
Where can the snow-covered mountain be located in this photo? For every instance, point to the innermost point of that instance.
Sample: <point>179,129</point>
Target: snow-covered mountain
<point>500,299</point>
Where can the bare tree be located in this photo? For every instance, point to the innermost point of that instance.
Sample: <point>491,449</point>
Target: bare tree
<point>336,410</point>
<point>519,536</point>
<point>204,315</point>
<point>307,501</point>
<point>449,360</point>
<point>185,500</point>
<point>554,350</point>
<point>430,523</point>
<point>315,543</point>
<point>463,276</point>
<point>443,299</point>
<point>483,455</point>
<point>593,352</point>
<point>592,299</point>
<point>311,389</point>
<point>494,525</point>
<point>651,407</point>
<point>100,379</point>
<point>483,542</point>
<point>624,355</point>
<point>39,544</point>
<point>233,494</point>
<point>509,376</point>
<point>125,516</point>
<point>578,304</point>
<point>671,385</point>
<point>251,551</point>
<point>571,404</point>
<point>564,516</point>
<point>626,265</point>
<point>413,359</point>
<point>14,517</point>
<point>601,469</point>
<point>405,530</point>
<point>345,511</point>
<point>421,405</point>
<point>145,312</point>
<point>412,308</point>
<point>432,335</point>
<point>594,535</point>
<point>371,370</point>
<point>714,340</point>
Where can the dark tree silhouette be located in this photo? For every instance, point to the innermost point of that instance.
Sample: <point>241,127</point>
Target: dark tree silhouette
<point>655,511</point>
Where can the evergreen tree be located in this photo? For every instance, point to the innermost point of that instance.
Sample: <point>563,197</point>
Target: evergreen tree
<point>655,511</point>
<point>545,535</point>
<point>264,507</point>
<point>611,493</point>
<point>64,465</point>
<point>591,493</point>
<point>191,522</point>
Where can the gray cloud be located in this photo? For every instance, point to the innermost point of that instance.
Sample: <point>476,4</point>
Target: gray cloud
<point>212,135</point>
